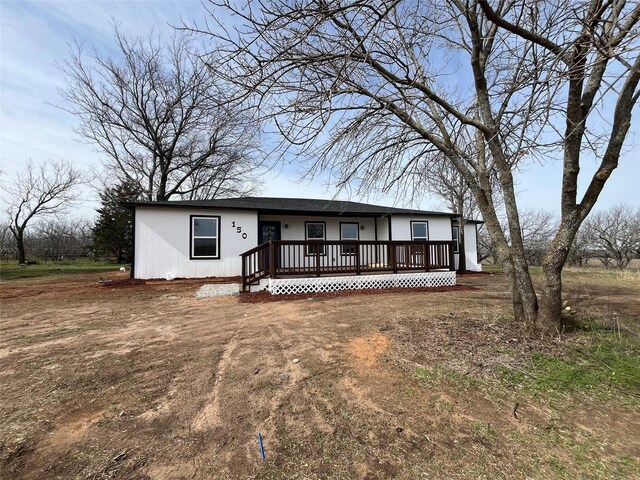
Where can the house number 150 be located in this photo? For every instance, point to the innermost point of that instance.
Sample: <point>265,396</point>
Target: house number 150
<point>238,230</point>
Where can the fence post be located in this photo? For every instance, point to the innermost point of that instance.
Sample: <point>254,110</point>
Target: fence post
<point>356,250</point>
<point>317,259</point>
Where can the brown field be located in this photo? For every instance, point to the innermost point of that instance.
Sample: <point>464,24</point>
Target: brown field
<point>146,381</point>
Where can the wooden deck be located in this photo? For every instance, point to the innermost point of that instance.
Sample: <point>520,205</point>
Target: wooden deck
<point>284,258</point>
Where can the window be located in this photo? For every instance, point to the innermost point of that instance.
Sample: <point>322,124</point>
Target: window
<point>315,231</point>
<point>349,232</point>
<point>420,231</point>
<point>205,239</point>
<point>456,240</point>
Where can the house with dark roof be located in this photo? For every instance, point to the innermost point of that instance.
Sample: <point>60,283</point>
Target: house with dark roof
<point>293,245</point>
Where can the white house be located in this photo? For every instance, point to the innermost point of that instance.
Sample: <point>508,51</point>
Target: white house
<point>293,244</point>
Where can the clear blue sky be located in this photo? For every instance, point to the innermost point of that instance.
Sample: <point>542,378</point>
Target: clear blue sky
<point>36,35</point>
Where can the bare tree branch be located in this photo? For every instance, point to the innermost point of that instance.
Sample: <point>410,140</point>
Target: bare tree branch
<point>163,118</point>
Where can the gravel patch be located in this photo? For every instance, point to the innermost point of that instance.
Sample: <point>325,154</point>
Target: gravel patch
<point>218,290</point>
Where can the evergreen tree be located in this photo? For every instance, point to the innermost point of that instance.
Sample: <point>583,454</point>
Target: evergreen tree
<point>113,231</point>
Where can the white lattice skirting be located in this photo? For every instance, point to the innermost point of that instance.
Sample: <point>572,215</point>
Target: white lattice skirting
<point>280,286</point>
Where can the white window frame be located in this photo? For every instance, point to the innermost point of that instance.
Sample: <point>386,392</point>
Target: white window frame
<point>192,220</point>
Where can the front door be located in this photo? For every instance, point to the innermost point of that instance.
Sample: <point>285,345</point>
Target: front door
<point>267,232</point>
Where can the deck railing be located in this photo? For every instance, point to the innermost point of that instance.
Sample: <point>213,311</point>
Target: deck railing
<point>321,257</point>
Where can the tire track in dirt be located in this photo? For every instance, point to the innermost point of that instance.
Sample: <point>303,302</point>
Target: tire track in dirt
<point>364,353</point>
<point>209,416</point>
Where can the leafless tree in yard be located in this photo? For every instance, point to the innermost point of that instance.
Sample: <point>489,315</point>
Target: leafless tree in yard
<point>162,119</point>
<point>615,235</point>
<point>537,227</point>
<point>582,248</point>
<point>485,247</point>
<point>370,90</point>
<point>442,179</point>
<point>44,190</point>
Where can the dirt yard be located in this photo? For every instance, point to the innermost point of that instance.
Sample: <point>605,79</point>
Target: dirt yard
<point>147,381</point>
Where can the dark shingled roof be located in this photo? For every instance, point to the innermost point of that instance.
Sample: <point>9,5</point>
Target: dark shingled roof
<point>275,205</point>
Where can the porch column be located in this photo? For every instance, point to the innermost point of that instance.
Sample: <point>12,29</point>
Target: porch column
<point>452,261</point>
<point>272,260</point>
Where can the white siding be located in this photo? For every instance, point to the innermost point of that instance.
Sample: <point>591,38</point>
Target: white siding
<point>296,226</point>
<point>383,228</point>
<point>439,227</point>
<point>296,231</point>
<point>162,242</point>
<point>471,247</point>
<point>162,238</point>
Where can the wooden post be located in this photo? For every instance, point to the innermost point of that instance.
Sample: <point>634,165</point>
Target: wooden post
<point>452,260</point>
<point>356,250</point>
<point>425,256</point>
<point>272,259</point>
<point>317,259</point>
<point>244,273</point>
<point>394,263</point>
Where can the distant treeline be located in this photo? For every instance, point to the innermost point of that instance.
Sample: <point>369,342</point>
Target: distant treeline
<point>610,238</point>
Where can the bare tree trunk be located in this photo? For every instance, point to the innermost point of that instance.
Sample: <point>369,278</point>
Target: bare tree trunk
<point>462,257</point>
<point>516,298</point>
<point>550,296</point>
<point>522,277</point>
<point>526,290</point>
<point>552,265</point>
<point>525,298</point>
<point>525,301</point>
<point>22,257</point>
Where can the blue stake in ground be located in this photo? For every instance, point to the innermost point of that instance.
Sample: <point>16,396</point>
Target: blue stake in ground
<point>261,446</point>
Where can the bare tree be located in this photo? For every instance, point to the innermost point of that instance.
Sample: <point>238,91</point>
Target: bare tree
<point>615,235</point>
<point>582,248</point>
<point>39,191</point>
<point>57,239</point>
<point>163,119</point>
<point>7,242</point>
<point>599,62</point>
<point>537,227</point>
<point>486,251</point>
<point>370,89</point>
<point>446,183</point>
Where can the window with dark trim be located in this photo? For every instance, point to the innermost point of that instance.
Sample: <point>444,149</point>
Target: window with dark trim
<point>456,239</point>
<point>205,237</point>
<point>349,231</point>
<point>315,231</point>
<point>420,231</point>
